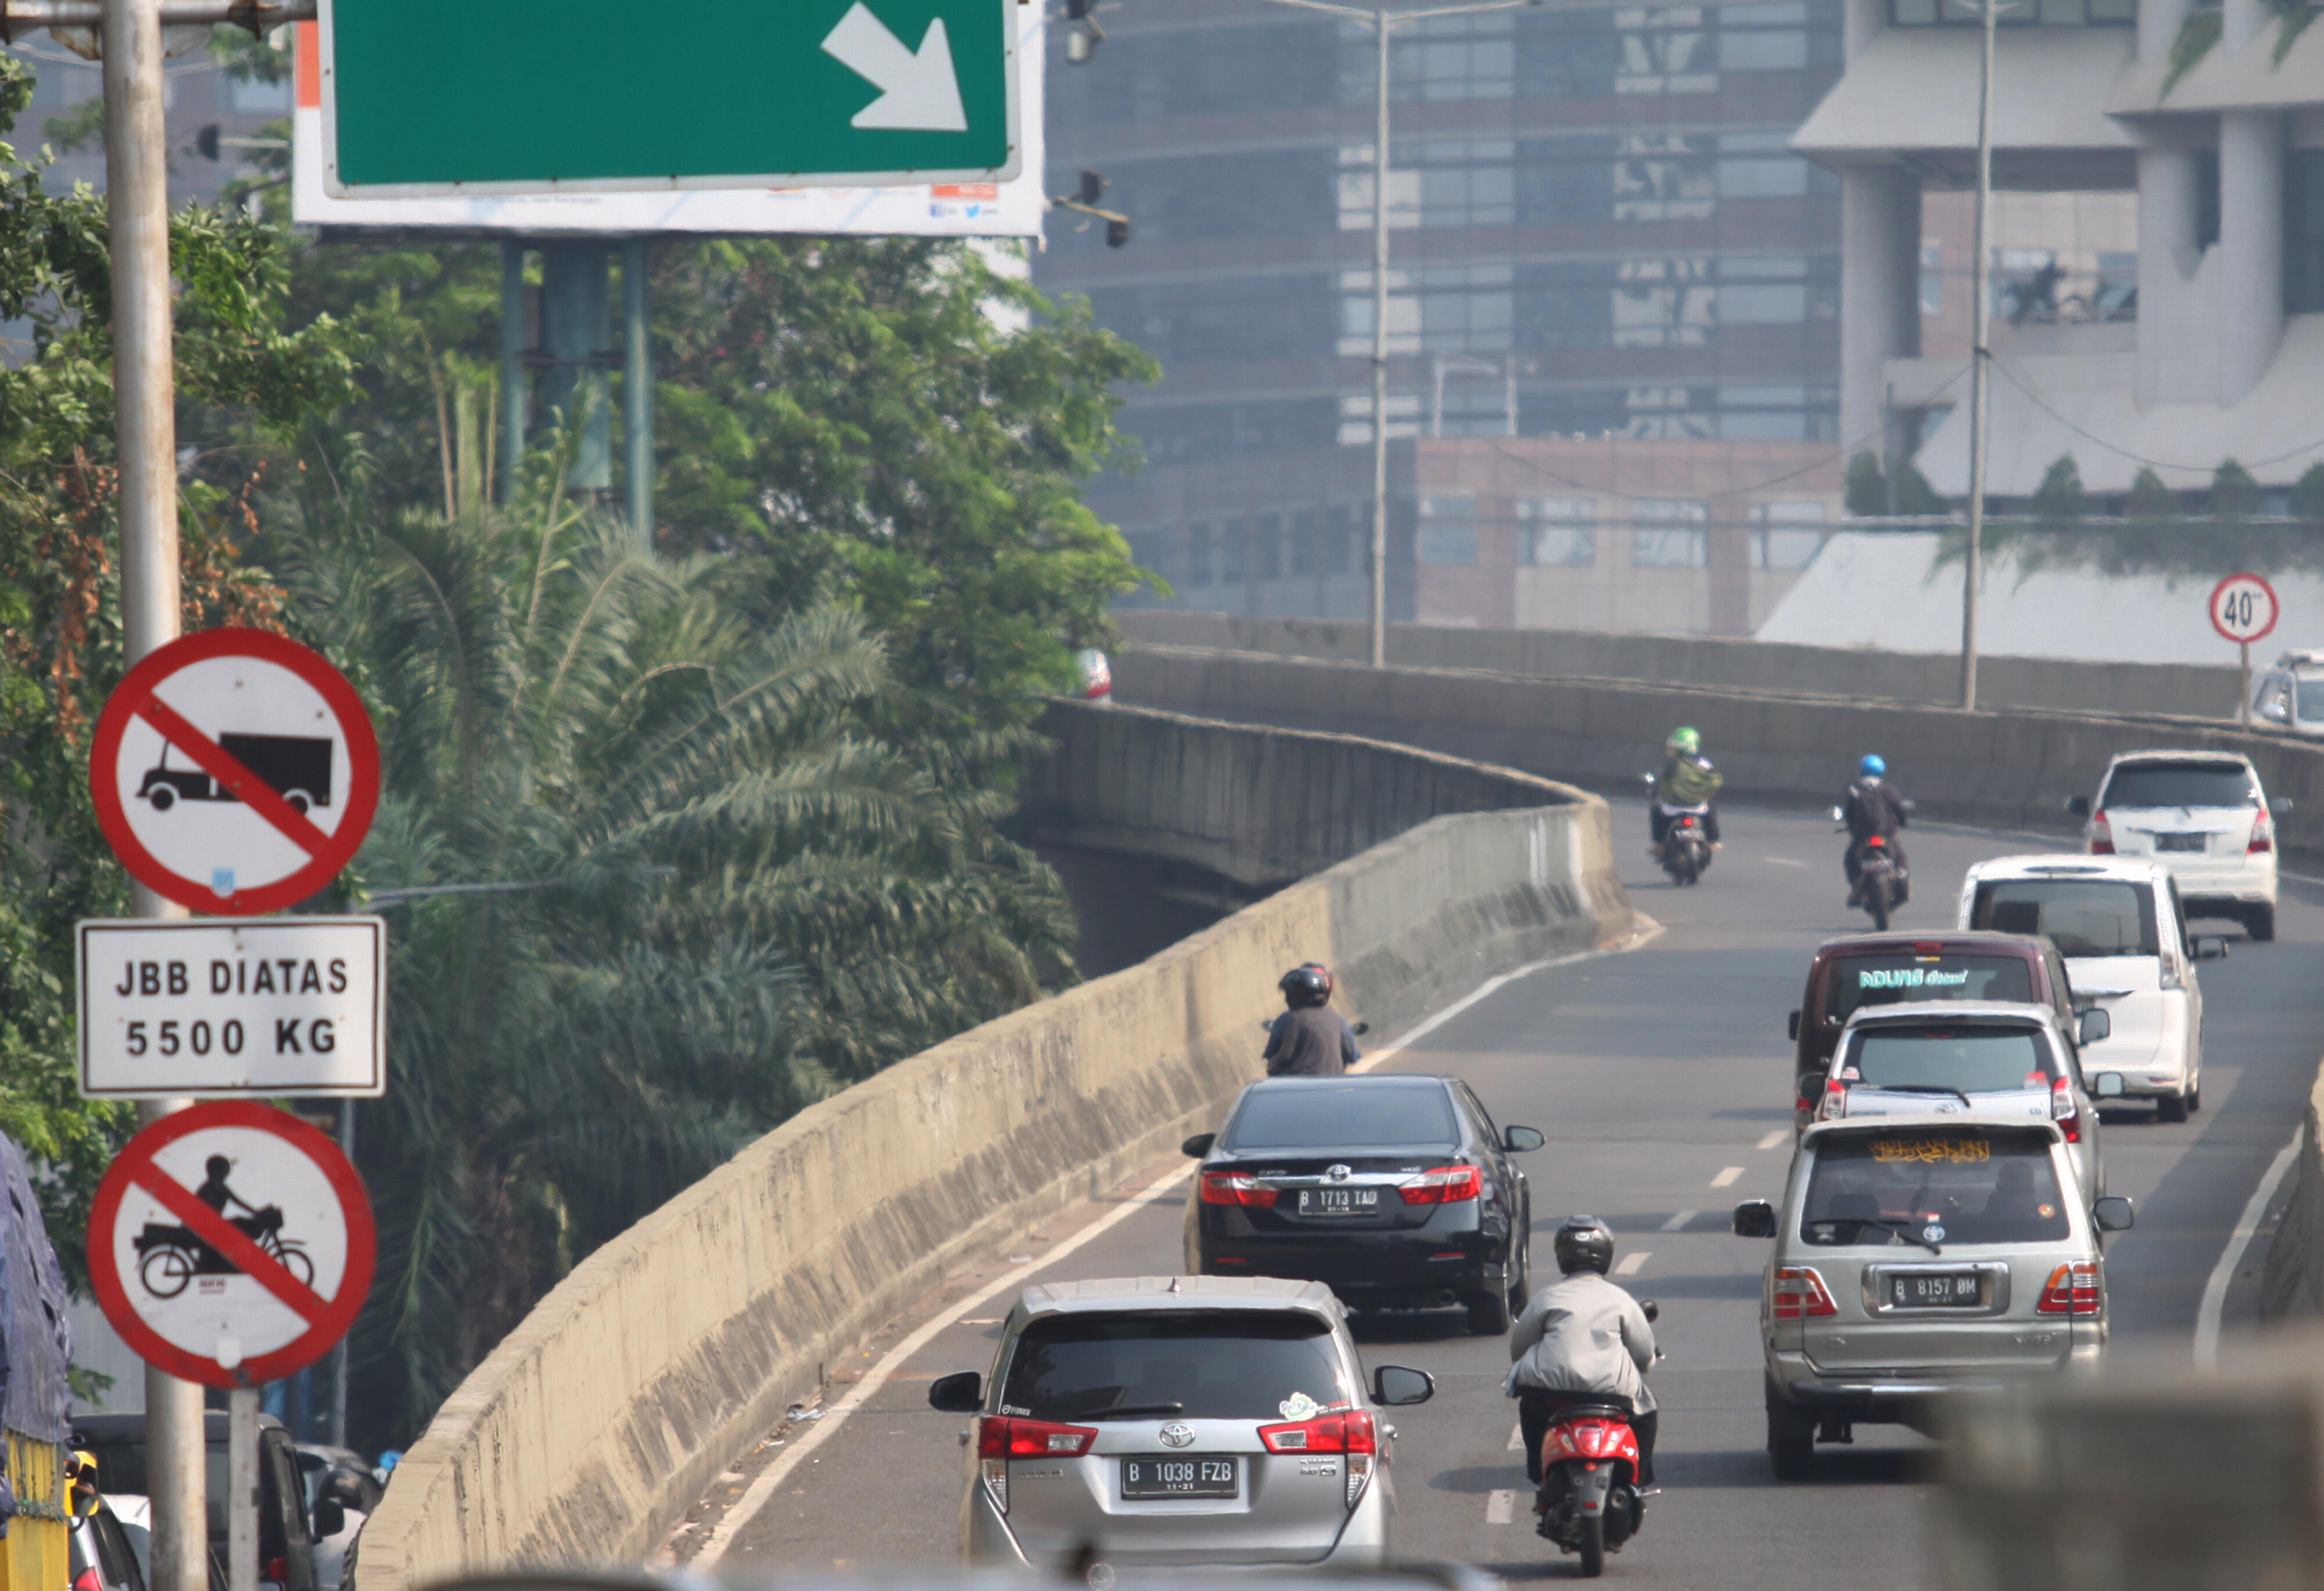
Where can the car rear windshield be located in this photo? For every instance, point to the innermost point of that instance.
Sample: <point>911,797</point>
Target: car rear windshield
<point>2081,916</point>
<point>2180,784</point>
<point>1888,979</point>
<point>1973,1060</point>
<point>1950,1187</point>
<point>1200,1363</point>
<point>1344,1116</point>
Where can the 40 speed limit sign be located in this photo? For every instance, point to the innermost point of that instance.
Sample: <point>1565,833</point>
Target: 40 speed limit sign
<point>2244,608</point>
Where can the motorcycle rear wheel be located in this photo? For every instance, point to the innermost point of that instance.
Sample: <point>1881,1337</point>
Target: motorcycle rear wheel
<point>1593,1547</point>
<point>1876,903</point>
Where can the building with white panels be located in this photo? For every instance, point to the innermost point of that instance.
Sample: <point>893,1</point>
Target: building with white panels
<point>2211,116</point>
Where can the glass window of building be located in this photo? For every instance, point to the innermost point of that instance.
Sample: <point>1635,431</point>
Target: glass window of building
<point>1448,529</point>
<point>1668,533</point>
<point>1557,532</point>
<point>1787,536</point>
<point>1198,555</point>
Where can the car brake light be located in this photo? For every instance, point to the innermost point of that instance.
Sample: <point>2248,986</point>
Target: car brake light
<point>1800,1293</point>
<point>278,1570</point>
<point>1352,1431</point>
<point>1236,1187</point>
<point>2064,1111</point>
<point>87,1580</point>
<point>2101,835</point>
<point>1001,1438</point>
<point>2263,837</point>
<point>1444,1184</point>
<point>2073,1289</point>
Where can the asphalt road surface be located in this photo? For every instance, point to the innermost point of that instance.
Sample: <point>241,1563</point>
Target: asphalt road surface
<point>1661,1076</point>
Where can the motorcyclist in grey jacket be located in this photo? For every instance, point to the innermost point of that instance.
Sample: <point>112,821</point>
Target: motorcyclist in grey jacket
<point>1583,1340</point>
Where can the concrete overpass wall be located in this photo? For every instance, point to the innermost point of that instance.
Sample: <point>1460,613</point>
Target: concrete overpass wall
<point>2050,683</point>
<point>587,1432</point>
<point>1999,769</point>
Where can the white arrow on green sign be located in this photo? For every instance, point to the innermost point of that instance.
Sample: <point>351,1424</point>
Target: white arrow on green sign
<point>427,97</point>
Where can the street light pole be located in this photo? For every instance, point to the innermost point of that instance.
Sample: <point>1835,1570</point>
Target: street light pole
<point>1383,24</point>
<point>1979,397</point>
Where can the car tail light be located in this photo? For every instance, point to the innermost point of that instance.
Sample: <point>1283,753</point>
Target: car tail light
<point>1834,1104</point>
<point>278,1570</point>
<point>87,1580</point>
<point>1444,1184</point>
<point>1800,1295</point>
<point>2073,1289</point>
<point>1351,1431</point>
<point>2064,1111</point>
<point>1236,1188</point>
<point>2262,836</point>
<point>2101,835</point>
<point>1002,1438</point>
<point>1359,1475</point>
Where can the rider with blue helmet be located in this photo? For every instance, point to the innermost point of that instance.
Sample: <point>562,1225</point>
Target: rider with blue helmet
<point>1872,806</point>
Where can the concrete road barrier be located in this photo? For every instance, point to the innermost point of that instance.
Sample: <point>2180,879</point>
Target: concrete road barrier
<point>1930,679</point>
<point>2292,1283</point>
<point>590,1429</point>
<point>2010,769</point>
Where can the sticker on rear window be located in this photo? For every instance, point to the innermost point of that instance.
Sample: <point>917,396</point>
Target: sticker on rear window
<point>1930,1149</point>
<point>1299,1406</point>
<point>1909,978</point>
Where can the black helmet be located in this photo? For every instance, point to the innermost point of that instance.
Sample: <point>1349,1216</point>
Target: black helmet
<point>1583,1244</point>
<point>1308,984</point>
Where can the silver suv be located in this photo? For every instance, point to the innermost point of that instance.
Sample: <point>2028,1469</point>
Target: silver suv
<point>1181,1419</point>
<point>1917,1257</point>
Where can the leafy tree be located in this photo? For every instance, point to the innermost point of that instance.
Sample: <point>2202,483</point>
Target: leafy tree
<point>1864,490</point>
<point>2307,494</point>
<point>2234,495</point>
<point>2060,496</point>
<point>61,649</point>
<point>2151,500</point>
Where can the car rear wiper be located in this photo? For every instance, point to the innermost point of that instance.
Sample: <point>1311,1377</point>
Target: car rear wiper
<point>1902,1228</point>
<point>1967,1103</point>
<point>1124,1410</point>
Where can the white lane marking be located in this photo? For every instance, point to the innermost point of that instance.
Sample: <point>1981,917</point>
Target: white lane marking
<point>1774,1140</point>
<point>770,1479</point>
<point>1677,1223</point>
<point>1634,1262</point>
<point>1516,1438</point>
<point>1500,1507</point>
<point>1785,861</point>
<point>2215,1290</point>
<point>1727,1177</point>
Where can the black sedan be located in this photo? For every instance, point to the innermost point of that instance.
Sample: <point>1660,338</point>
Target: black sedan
<point>1395,1192</point>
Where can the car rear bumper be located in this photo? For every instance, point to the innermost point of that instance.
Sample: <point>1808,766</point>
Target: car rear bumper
<point>1435,1269</point>
<point>1906,1396</point>
<point>986,1539</point>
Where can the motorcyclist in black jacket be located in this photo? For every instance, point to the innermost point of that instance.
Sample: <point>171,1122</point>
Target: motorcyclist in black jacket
<point>1872,806</point>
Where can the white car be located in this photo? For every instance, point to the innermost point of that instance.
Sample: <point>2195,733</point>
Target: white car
<point>2292,693</point>
<point>2203,815</point>
<point>2118,923</point>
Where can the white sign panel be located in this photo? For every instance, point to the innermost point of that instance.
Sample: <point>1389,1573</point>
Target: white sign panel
<point>223,1006</point>
<point>1014,208</point>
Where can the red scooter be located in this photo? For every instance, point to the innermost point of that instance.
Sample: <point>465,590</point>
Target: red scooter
<point>1590,1500</point>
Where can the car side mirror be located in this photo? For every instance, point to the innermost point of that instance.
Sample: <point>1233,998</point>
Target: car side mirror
<point>2276,710</point>
<point>2077,806</point>
<point>1361,1028</point>
<point>2107,1085</point>
<point>1198,1146</point>
<point>1518,1139</point>
<point>962,1393</point>
<point>2279,805</point>
<point>2095,1026</point>
<point>2112,1214</point>
<point>1755,1217</point>
<point>330,1518</point>
<point>1793,1031</point>
<point>1652,1310</point>
<point>2210,947</point>
<point>1396,1386</point>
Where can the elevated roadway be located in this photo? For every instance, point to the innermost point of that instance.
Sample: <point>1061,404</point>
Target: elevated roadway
<point>1661,1075</point>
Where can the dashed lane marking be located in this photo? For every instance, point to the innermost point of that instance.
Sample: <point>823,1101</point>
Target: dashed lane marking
<point>1634,1262</point>
<point>1516,1438</point>
<point>1500,1507</point>
<point>1728,1178</point>
<point>1785,861</point>
<point>1677,1223</point>
<point>1774,1140</point>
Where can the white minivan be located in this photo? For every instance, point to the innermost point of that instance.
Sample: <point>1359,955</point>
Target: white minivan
<point>2204,815</point>
<point>2121,929</point>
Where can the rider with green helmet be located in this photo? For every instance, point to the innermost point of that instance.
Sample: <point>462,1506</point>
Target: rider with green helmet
<point>1687,780</point>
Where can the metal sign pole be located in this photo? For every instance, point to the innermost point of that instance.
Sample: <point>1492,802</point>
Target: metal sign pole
<point>637,389</point>
<point>137,205</point>
<point>241,1489</point>
<point>2243,700</point>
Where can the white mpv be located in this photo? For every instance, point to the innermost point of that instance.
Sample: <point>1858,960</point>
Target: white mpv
<point>2119,924</point>
<point>2202,813</point>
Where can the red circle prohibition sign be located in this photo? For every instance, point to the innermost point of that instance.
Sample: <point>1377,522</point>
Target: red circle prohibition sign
<point>327,854</point>
<point>327,1320</point>
<point>2221,617</point>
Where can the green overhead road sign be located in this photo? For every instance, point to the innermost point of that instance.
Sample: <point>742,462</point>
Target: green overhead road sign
<point>429,97</point>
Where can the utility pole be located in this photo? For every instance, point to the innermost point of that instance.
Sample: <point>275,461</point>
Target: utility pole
<point>145,433</point>
<point>1383,24</point>
<point>1979,393</point>
<point>637,391</point>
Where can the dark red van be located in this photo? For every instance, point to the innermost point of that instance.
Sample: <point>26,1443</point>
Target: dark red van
<point>1885,968</point>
